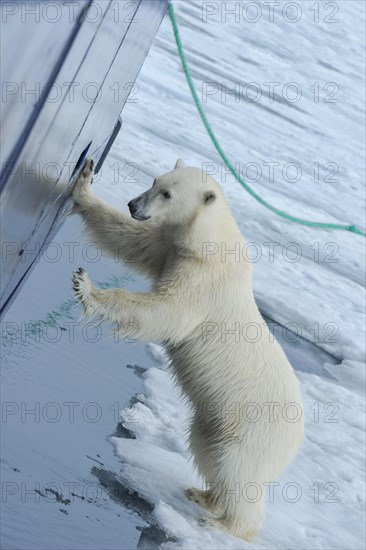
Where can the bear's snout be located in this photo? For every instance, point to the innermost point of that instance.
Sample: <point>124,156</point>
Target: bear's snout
<point>132,207</point>
<point>136,207</point>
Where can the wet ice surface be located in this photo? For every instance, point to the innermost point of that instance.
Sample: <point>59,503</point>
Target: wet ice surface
<point>130,501</point>
<point>77,387</point>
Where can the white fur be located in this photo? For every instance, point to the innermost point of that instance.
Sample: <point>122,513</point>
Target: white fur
<point>195,300</point>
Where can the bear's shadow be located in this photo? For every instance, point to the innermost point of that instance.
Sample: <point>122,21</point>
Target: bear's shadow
<point>152,536</point>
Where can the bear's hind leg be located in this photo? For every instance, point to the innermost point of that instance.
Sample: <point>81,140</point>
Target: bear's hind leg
<point>238,488</point>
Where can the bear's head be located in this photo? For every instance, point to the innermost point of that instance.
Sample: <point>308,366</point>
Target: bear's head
<point>176,197</point>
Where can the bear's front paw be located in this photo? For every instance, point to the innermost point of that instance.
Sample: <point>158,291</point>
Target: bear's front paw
<point>88,169</point>
<point>82,185</point>
<point>82,286</point>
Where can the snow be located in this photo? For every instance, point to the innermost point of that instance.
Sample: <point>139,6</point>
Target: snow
<point>320,296</point>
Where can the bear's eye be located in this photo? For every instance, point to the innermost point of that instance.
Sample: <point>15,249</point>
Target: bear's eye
<point>166,194</point>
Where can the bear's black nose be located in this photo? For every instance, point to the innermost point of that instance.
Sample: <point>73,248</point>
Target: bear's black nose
<point>131,205</point>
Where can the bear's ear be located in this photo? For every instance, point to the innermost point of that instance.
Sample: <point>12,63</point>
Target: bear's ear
<point>209,197</point>
<point>179,164</point>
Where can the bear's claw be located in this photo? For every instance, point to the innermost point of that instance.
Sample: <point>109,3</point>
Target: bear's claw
<point>205,522</point>
<point>81,284</point>
<point>88,168</point>
<point>83,182</point>
<point>193,495</point>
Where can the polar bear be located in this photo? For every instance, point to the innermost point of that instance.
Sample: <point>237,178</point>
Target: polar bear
<point>247,422</point>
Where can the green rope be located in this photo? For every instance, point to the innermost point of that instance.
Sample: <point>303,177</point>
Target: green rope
<point>222,154</point>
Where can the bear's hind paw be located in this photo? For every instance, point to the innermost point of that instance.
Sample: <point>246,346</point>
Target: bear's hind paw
<point>228,527</point>
<point>203,499</point>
